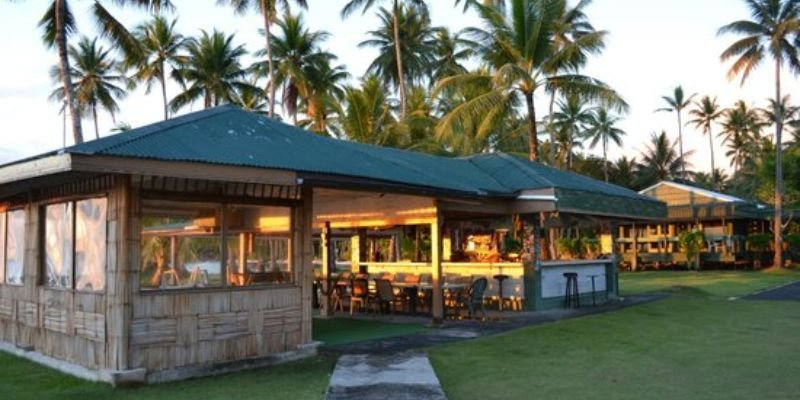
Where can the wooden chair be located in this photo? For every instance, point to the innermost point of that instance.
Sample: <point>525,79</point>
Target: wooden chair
<point>473,299</point>
<point>385,295</point>
<point>359,293</point>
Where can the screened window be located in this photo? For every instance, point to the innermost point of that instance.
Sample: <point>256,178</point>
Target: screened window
<point>181,245</point>
<point>258,245</point>
<point>58,244</point>
<point>75,245</point>
<point>15,246</point>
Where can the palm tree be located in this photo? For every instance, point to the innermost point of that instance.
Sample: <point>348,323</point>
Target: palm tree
<point>322,96</point>
<point>623,172</point>
<point>521,60</point>
<point>367,116</point>
<point>96,78</point>
<point>417,49</point>
<point>601,128</point>
<point>58,24</point>
<point>269,13</point>
<point>162,47</point>
<point>772,32</point>
<point>252,98</point>
<point>365,5</point>
<point>706,112</point>
<point>213,71</point>
<point>569,122</point>
<point>660,161</point>
<point>450,51</point>
<point>783,110</point>
<point>677,103</point>
<point>295,50</point>
<point>741,131</point>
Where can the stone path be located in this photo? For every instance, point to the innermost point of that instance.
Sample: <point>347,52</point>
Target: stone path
<point>402,376</point>
<point>790,292</point>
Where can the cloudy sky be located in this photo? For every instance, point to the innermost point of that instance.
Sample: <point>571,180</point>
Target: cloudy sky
<point>653,46</point>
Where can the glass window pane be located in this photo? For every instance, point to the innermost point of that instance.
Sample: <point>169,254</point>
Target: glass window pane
<point>58,246</point>
<point>15,247</point>
<point>181,245</point>
<point>258,245</point>
<point>90,244</point>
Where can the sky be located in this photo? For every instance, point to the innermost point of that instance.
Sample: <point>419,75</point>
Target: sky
<point>652,47</point>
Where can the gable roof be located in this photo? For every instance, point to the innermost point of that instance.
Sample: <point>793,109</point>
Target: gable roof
<point>230,136</point>
<point>721,197</point>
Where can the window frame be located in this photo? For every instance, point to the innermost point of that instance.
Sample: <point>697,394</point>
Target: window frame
<point>73,267</point>
<point>4,265</point>
<point>223,206</point>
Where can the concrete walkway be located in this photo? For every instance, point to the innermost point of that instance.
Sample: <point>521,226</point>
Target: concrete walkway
<point>403,376</point>
<point>790,292</point>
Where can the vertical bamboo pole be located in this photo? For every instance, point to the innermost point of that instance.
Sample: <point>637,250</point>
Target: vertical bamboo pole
<point>325,281</point>
<point>436,269</point>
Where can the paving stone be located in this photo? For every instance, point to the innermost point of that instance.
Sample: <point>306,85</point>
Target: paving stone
<point>395,376</point>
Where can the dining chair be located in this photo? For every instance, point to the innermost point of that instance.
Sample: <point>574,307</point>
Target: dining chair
<point>359,293</point>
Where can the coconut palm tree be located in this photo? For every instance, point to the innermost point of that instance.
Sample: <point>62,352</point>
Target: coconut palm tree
<point>96,77</point>
<point>741,131</point>
<point>322,95</point>
<point>213,71</point>
<point>570,121</point>
<point>660,161</point>
<point>623,172</point>
<point>269,10</point>
<point>783,110</point>
<point>417,49</point>
<point>252,98</point>
<point>772,32</point>
<point>705,114</point>
<point>162,48</point>
<point>395,11</point>
<point>367,115</point>
<point>58,23</point>
<point>677,103</point>
<point>295,50</point>
<point>451,50</point>
<point>602,128</point>
<point>521,60</point>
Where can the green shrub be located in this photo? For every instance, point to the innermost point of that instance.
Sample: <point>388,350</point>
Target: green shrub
<point>691,243</point>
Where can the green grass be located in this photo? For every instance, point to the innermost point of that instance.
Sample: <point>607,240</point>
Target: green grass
<point>680,348</point>
<point>21,379</point>
<point>714,283</point>
<point>342,330</point>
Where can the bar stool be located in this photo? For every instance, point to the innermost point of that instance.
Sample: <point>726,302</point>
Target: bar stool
<point>571,293</point>
<point>500,278</point>
<point>593,277</point>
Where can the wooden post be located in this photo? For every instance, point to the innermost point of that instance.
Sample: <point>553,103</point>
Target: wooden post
<point>122,266</point>
<point>436,270</point>
<point>325,281</point>
<point>302,224</point>
<point>635,261</point>
<point>358,250</point>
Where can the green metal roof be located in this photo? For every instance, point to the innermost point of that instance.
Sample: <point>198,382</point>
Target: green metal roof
<point>228,135</point>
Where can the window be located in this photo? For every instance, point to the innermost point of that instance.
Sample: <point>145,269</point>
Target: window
<point>75,245</point>
<point>15,246</point>
<point>258,245</point>
<point>182,245</point>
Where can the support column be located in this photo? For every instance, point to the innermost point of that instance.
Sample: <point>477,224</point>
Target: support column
<point>635,260</point>
<point>436,270</point>
<point>327,266</point>
<point>302,247</point>
<point>358,250</point>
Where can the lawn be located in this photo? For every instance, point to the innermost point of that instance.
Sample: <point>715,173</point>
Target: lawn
<point>685,347</point>
<point>342,330</point>
<point>714,283</point>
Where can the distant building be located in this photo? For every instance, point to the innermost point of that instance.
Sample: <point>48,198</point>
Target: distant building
<point>725,220</point>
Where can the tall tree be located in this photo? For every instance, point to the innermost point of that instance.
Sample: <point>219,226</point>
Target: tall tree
<point>705,114</point>
<point>162,48</point>
<point>772,32</point>
<point>322,96</point>
<point>269,14</point>
<point>602,128</point>
<point>451,51</point>
<point>365,5</point>
<point>367,116</point>
<point>97,81</point>
<point>677,103</point>
<point>741,132</point>
<point>569,121</point>
<point>520,48</point>
<point>58,24</point>
<point>213,71</point>
<point>660,161</point>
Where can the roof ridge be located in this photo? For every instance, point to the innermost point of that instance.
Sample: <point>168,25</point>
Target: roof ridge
<point>519,164</point>
<point>151,129</point>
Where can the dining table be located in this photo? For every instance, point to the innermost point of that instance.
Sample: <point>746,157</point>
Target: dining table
<point>412,290</point>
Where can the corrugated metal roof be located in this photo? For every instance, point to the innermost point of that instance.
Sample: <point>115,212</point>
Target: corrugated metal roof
<point>228,135</point>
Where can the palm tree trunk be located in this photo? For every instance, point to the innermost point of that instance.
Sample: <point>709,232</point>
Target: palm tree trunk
<point>164,92</point>
<point>569,152</point>
<point>711,147</point>
<point>63,66</point>
<point>94,118</point>
<point>778,219</point>
<point>265,11</point>
<point>401,81</point>
<point>533,140</point>
<point>605,158</point>
<point>551,131</point>
<point>680,144</point>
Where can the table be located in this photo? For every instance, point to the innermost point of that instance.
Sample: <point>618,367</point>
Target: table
<point>412,289</point>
